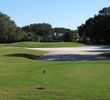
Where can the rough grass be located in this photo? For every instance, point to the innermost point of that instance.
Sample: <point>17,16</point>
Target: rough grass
<point>22,78</point>
<point>44,44</point>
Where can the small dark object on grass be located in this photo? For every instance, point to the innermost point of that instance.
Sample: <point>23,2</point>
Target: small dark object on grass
<point>44,71</point>
<point>39,88</point>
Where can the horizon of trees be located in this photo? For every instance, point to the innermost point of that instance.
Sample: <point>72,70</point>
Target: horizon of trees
<point>95,30</point>
<point>45,33</point>
<point>39,32</point>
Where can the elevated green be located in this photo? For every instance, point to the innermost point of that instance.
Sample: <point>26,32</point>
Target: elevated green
<point>22,78</point>
<point>44,44</point>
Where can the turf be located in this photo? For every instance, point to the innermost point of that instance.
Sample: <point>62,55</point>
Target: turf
<point>44,44</point>
<point>23,78</point>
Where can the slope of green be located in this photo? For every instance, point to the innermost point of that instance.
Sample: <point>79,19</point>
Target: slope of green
<point>44,44</point>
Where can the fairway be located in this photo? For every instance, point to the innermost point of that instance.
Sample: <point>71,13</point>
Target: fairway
<point>23,78</point>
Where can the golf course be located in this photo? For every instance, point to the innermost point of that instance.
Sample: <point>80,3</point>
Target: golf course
<point>22,77</point>
<point>55,50</point>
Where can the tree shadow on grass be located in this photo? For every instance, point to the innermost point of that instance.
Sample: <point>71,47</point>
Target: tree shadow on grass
<point>29,56</point>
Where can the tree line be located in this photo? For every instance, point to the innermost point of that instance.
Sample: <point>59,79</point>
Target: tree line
<point>41,32</point>
<point>96,29</point>
<point>9,32</point>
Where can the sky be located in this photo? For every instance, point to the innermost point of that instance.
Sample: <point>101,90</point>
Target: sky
<point>59,13</point>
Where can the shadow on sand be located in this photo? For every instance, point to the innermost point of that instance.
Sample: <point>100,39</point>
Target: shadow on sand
<point>72,57</point>
<point>68,57</point>
<point>102,48</point>
<point>79,57</point>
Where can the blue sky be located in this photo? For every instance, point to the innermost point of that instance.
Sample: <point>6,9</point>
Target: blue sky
<point>58,13</point>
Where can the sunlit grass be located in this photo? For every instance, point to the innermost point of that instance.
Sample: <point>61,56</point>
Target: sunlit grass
<point>44,44</point>
<point>21,77</point>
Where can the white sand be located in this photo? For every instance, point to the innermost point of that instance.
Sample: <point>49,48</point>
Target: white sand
<point>84,53</point>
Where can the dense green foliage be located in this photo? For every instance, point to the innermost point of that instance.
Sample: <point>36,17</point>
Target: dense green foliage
<point>41,32</point>
<point>21,78</point>
<point>97,29</point>
<point>71,36</point>
<point>9,32</point>
<point>61,30</point>
<point>60,33</point>
<point>44,44</point>
<point>44,31</point>
<point>105,11</point>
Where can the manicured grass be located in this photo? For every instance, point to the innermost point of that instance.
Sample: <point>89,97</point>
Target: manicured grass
<point>2,45</point>
<point>22,78</point>
<point>44,44</point>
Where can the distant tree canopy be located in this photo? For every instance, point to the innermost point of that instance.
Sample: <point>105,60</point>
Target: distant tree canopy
<point>60,33</point>
<point>9,32</point>
<point>61,30</point>
<point>42,30</point>
<point>71,36</point>
<point>97,29</point>
<point>105,11</point>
